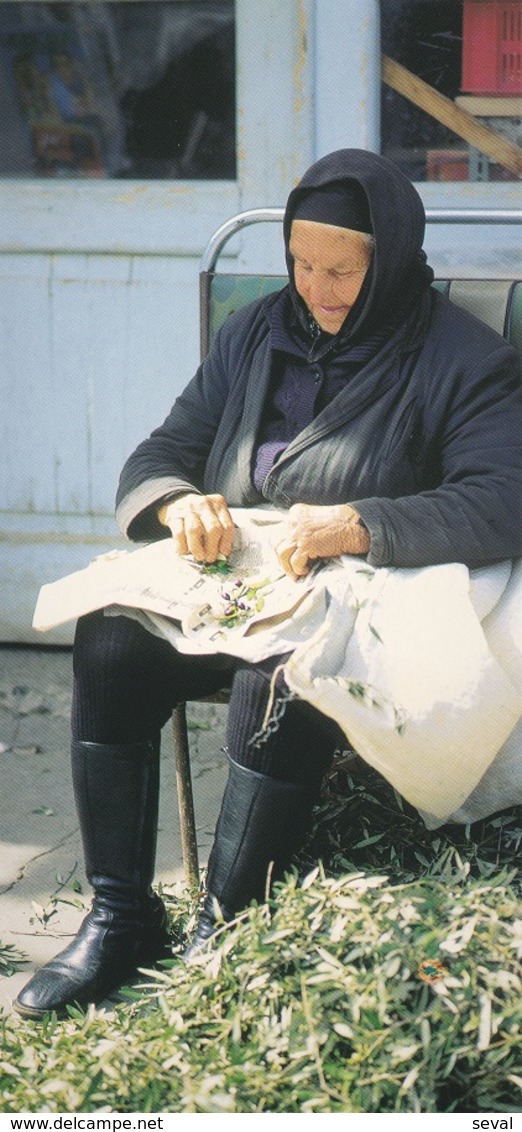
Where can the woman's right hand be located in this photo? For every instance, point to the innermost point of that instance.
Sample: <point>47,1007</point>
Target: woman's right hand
<point>200,525</point>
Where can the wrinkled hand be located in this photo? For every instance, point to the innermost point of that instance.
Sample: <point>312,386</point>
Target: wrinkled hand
<point>200,525</point>
<point>320,532</point>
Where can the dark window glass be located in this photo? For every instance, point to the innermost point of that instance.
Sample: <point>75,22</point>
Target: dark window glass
<point>126,89</point>
<point>469,51</point>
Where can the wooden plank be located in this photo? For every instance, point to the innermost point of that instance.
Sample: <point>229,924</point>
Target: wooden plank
<point>482,137</point>
<point>490,106</point>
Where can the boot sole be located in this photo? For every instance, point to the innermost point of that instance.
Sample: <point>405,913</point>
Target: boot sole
<point>35,1015</point>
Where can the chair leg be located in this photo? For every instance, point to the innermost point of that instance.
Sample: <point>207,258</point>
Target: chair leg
<point>187,821</point>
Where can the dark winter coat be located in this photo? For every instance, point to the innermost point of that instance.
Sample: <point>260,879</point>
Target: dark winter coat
<point>424,441</point>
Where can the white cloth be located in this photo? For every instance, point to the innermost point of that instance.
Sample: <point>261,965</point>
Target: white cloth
<point>422,670</point>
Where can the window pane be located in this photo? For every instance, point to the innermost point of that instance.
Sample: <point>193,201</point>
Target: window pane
<point>126,89</point>
<point>469,51</point>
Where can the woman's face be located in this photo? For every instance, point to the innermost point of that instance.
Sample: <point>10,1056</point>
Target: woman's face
<point>329,268</point>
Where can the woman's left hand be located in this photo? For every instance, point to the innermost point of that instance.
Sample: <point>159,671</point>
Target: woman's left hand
<point>320,532</point>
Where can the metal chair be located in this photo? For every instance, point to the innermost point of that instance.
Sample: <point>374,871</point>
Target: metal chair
<point>497,302</point>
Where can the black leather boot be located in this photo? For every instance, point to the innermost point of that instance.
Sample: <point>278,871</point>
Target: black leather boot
<point>262,821</point>
<point>116,790</point>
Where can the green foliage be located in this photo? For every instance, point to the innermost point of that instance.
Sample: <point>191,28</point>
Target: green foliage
<point>364,823</point>
<point>389,980</point>
<point>10,960</point>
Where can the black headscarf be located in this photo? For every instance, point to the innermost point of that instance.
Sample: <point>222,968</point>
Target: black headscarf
<point>342,203</point>
<point>398,274</point>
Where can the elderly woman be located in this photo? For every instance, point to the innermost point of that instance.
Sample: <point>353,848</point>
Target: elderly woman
<point>386,422</point>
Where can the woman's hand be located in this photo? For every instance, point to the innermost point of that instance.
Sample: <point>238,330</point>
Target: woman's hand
<point>320,532</point>
<point>200,525</point>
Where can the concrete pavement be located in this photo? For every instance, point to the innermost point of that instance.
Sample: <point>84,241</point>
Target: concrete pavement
<point>43,891</point>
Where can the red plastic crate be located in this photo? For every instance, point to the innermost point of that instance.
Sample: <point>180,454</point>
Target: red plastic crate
<point>492,47</point>
<point>447,165</point>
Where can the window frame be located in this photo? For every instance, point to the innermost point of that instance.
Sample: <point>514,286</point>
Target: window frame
<point>113,215</point>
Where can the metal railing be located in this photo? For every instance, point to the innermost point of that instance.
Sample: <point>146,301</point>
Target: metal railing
<point>433,216</point>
